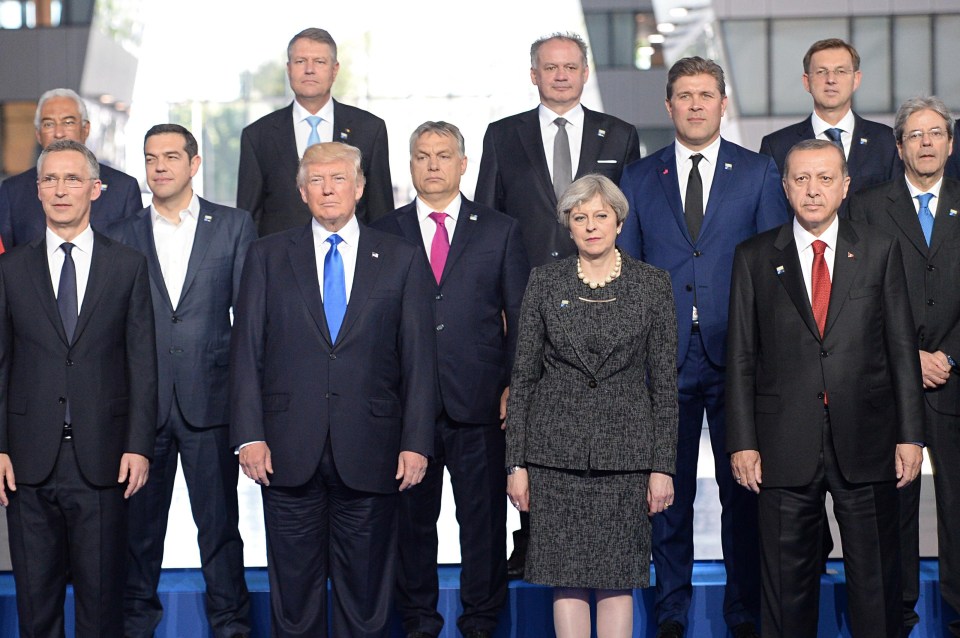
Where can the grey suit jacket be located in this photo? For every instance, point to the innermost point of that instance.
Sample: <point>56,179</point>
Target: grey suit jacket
<point>618,415</point>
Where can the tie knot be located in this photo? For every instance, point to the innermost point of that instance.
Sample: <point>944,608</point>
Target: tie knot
<point>560,122</point>
<point>925,200</point>
<point>834,134</point>
<point>66,247</point>
<point>334,239</point>
<point>440,218</point>
<point>313,121</point>
<point>819,247</point>
<point>695,158</point>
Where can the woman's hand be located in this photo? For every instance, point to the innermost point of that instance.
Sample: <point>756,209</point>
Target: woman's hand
<point>659,492</point>
<point>518,489</point>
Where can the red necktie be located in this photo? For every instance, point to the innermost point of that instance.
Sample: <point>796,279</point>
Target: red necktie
<point>440,246</point>
<point>821,285</point>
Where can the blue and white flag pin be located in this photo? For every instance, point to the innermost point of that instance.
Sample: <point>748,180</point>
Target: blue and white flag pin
<point>473,217</point>
<point>375,255</point>
<point>780,270</point>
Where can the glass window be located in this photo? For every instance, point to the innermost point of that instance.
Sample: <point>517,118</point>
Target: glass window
<point>11,14</point>
<point>946,53</point>
<point>747,76</point>
<point>624,32</point>
<point>912,64</point>
<point>791,39</point>
<point>598,30</point>
<point>871,37</point>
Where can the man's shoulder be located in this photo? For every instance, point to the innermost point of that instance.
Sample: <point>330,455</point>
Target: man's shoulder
<point>649,163</point>
<point>762,243</point>
<point>115,177</point>
<point>271,119</point>
<point>228,212</point>
<point>382,239</point>
<point>607,121</point>
<point>871,127</point>
<point>512,121</point>
<point>731,150</point>
<point>121,255</point>
<point>789,132</point>
<point>341,110</point>
<point>25,180</point>
<point>476,212</point>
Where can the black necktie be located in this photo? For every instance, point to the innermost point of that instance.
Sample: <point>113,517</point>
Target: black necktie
<point>67,303</point>
<point>693,205</point>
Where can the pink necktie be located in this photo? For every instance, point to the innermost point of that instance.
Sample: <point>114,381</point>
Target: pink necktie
<point>440,246</point>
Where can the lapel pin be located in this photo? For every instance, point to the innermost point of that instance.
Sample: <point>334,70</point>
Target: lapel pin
<point>473,217</point>
<point>727,166</point>
<point>207,218</point>
<point>953,212</point>
<point>345,134</point>
<point>564,303</point>
<point>104,186</point>
<point>665,171</point>
<point>375,255</point>
<point>863,140</point>
<point>851,255</point>
<point>780,270</point>
<point>601,133</point>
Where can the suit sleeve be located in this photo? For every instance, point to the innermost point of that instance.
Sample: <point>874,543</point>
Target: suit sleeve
<point>246,352</point>
<point>856,210</point>
<point>661,366</point>
<point>631,235</point>
<point>488,181</point>
<point>6,350</point>
<point>527,370</point>
<point>902,349</point>
<point>418,360</point>
<point>250,178</point>
<point>513,281</point>
<point>6,222</point>
<point>379,189</point>
<point>141,365</point>
<point>247,234</point>
<point>633,147</point>
<point>773,210</point>
<point>742,338</point>
<point>765,148</point>
<point>132,201</point>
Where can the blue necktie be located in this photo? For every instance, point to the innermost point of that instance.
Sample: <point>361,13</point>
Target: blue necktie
<point>834,135</point>
<point>67,303</point>
<point>334,288</point>
<point>314,122</point>
<point>926,217</point>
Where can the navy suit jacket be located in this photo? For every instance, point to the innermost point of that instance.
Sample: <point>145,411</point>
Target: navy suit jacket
<point>746,198</point>
<point>483,281</point>
<point>514,178</point>
<point>193,340</point>
<point>108,372</point>
<point>952,169</point>
<point>372,393</point>
<point>21,213</point>
<point>267,182</point>
<point>873,154</point>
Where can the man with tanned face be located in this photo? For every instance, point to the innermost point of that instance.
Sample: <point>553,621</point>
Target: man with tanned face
<point>62,115</point>
<point>271,147</point>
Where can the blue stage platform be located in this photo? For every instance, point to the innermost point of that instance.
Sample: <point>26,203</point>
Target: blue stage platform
<point>527,615</point>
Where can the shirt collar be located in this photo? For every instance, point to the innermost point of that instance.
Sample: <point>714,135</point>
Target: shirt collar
<point>845,124</point>
<point>192,210</point>
<point>300,114</point>
<point>934,190</point>
<point>710,153</point>
<point>82,242</point>
<point>452,209</point>
<point>805,238</point>
<point>350,233</point>
<point>574,116</point>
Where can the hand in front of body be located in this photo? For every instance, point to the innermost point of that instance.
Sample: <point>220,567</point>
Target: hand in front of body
<point>503,407</point>
<point>7,479</point>
<point>745,465</point>
<point>518,489</point>
<point>411,467</point>
<point>659,492</point>
<point>134,468</point>
<point>935,368</point>
<point>255,462</point>
<point>908,462</point>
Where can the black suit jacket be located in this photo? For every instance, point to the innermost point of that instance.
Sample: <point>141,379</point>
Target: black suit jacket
<point>267,182</point>
<point>193,340</point>
<point>873,154</point>
<point>109,372</point>
<point>952,169</point>
<point>372,393</point>
<point>21,213</point>
<point>932,272</point>
<point>778,367</point>
<point>514,178</point>
<point>483,282</point>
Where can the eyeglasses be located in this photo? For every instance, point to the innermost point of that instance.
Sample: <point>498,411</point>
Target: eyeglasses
<point>71,181</point>
<point>936,135</point>
<point>840,73</point>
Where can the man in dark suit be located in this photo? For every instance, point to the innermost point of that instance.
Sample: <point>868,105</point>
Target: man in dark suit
<point>78,403</point>
<point>333,400</point>
<point>271,147</point>
<point>194,250</point>
<point>831,74</point>
<point>480,272</point>
<point>822,396</point>
<point>920,209</point>
<point>691,203</point>
<point>530,158</point>
<point>61,115</point>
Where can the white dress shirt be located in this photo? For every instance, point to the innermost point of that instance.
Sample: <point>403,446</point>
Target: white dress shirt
<point>707,168</point>
<point>548,131</point>
<point>428,227</point>
<point>301,127</point>
<point>934,190</point>
<point>350,234</point>
<point>174,243</point>
<point>845,125</point>
<point>804,240</point>
<point>82,255</point>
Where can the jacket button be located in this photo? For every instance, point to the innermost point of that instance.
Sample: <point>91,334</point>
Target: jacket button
<point>333,356</point>
<point>175,319</point>
<point>697,253</point>
<point>931,302</point>
<point>175,350</point>
<point>69,362</point>
<point>62,400</point>
<point>439,297</point>
<point>824,354</point>
<point>820,395</point>
<point>688,287</point>
<point>931,267</point>
<point>439,327</point>
<point>592,383</point>
<point>554,254</point>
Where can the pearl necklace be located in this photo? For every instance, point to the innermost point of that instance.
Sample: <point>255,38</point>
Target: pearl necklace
<point>600,284</point>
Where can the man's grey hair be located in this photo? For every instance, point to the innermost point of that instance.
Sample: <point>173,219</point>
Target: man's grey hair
<point>331,152</point>
<point>915,104</point>
<point>568,36</point>
<point>59,146</point>
<point>585,189</point>
<point>317,35</point>
<point>445,129</point>
<point>52,93</point>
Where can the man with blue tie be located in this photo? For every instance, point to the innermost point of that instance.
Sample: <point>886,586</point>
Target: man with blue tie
<point>194,250</point>
<point>333,400</point>
<point>691,203</point>
<point>480,270</point>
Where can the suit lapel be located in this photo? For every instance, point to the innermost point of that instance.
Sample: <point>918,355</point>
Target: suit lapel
<point>946,223</point>
<point>466,227</point>
<point>722,176</point>
<point>670,183</point>
<point>342,126</point>
<point>40,279</point>
<point>899,206</point>
<point>845,265</point>
<point>143,241</point>
<point>786,265</point>
<point>285,141</point>
<point>100,265</point>
<point>532,142</point>
<point>364,278</point>
<point>207,222</point>
<point>590,143</point>
<point>859,147</point>
<point>303,261</point>
<point>570,321</point>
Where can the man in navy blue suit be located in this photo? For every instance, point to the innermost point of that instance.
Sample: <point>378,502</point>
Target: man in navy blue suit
<point>194,250</point>
<point>480,271</point>
<point>831,74</point>
<point>333,400</point>
<point>61,114</point>
<point>691,203</point>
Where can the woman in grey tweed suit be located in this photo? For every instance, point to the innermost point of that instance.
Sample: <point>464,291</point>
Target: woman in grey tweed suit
<point>592,416</point>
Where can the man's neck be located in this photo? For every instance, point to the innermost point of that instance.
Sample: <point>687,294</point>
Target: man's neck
<point>832,116</point>
<point>69,233</point>
<point>171,207</point>
<point>313,105</point>
<point>561,109</point>
<point>438,203</point>
<point>924,183</point>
